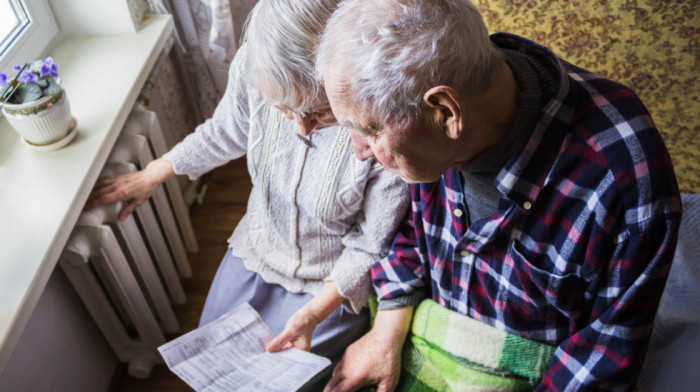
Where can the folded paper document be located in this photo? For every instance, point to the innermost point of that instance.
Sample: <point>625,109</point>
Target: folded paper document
<point>228,354</point>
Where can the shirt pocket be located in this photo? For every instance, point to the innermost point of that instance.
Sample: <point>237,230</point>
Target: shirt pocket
<point>543,291</point>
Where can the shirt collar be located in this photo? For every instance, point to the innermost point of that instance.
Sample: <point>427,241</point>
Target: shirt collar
<point>525,174</point>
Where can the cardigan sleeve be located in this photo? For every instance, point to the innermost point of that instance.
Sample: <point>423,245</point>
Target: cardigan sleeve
<point>224,136</point>
<point>386,201</point>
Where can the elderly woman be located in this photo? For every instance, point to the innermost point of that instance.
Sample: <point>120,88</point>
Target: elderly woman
<point>317,218</point>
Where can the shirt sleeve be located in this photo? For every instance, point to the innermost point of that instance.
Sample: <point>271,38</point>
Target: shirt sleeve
<point>224,136</point>
<point>386,200</point>
<point>608,352</point>
<point>400,278</point>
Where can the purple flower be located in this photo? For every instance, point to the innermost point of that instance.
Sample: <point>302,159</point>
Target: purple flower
<point>45,70</point>
<point>3,80</point>
<point>17,67</point>
<point>54,71</point>
<point>49,68</point>
<point>27,77</point>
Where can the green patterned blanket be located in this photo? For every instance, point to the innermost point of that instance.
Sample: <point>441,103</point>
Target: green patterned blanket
<point>446,351</point>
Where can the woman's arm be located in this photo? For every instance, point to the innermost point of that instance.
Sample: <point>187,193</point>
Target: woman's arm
<point>385,203</point>
<point>218,140</point>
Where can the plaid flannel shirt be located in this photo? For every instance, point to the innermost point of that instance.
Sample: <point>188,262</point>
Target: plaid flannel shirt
<point>578,251</point>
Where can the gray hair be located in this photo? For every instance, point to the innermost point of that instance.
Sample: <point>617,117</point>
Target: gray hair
<point>390,52</point>
<point>282,37</point>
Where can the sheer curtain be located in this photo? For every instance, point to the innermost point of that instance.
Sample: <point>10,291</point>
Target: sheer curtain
<point>205,33</point>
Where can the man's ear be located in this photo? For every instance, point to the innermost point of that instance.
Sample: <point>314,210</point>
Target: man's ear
<point>446,109</point>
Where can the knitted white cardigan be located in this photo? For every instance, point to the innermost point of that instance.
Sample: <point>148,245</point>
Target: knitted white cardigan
<point>314,213</point>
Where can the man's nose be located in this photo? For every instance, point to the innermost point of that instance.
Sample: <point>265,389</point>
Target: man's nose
<point>360,146</point>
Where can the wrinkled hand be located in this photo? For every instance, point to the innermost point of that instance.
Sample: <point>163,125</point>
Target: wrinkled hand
<point>132,188</point>
<point>299,328</point>
<point>297,332</point>
<point>371,360</point>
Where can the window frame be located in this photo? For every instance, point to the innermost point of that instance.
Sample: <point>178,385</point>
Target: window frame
<point>34,40</point>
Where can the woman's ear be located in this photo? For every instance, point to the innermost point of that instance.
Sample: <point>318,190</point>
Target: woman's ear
<point>445,109</point>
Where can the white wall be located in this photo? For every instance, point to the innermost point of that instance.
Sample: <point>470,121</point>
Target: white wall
<point>92,17</point>
<point>61,349</point>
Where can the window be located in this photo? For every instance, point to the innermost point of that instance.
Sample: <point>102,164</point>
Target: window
<point>27,27</point>
<point>13,20</point>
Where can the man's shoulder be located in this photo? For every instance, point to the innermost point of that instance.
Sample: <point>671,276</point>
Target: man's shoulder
<point>621,138</point>
<point>610,118</point>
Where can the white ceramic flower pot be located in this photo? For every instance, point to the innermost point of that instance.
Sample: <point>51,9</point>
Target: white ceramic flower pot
<point>42,122</point>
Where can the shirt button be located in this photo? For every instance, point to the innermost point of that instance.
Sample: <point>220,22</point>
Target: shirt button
<point>527,205</point>
<point>458,212</point>
<point>464,253</point>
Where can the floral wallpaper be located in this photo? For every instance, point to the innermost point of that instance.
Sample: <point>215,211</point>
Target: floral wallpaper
<point>651,46</point>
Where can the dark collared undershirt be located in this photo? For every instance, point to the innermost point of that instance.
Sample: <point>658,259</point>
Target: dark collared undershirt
<point>537,84</point>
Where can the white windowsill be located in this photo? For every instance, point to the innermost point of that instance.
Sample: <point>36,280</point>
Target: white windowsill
<point>42,193</point>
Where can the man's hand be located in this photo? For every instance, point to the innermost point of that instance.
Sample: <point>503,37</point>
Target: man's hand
<point>132,188</point>
<point>375,359</point>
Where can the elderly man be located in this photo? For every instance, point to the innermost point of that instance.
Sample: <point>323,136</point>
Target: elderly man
<point>545,205</point>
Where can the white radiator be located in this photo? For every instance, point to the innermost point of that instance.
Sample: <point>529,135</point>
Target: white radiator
<point>149,228</point>
<point>127,273</point>
<point>103,277</point>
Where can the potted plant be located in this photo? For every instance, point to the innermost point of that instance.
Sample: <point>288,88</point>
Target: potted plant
<point>37,106</point>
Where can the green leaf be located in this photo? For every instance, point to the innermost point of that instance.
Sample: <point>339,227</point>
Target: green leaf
<point>52,89</point>
<point>43,83</point>
<point>28,93</point>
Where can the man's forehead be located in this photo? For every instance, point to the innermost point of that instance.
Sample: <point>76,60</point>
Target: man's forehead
<point>347,112</point>
<point>339,97</point>
<point>337,89</point>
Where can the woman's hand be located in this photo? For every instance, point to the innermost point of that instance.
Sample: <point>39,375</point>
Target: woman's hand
<point>132,188</point>
<point>299,328</point>
<point>297,332</point>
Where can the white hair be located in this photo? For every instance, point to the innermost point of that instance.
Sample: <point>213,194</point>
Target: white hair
<point>282,37</point>
<point>388,53</point>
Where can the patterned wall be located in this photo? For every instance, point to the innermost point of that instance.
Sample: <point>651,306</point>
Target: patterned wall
<point>651,46</point>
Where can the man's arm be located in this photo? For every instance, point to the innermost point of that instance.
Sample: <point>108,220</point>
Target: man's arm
<point>375,359</point>
<point>400,278</point>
